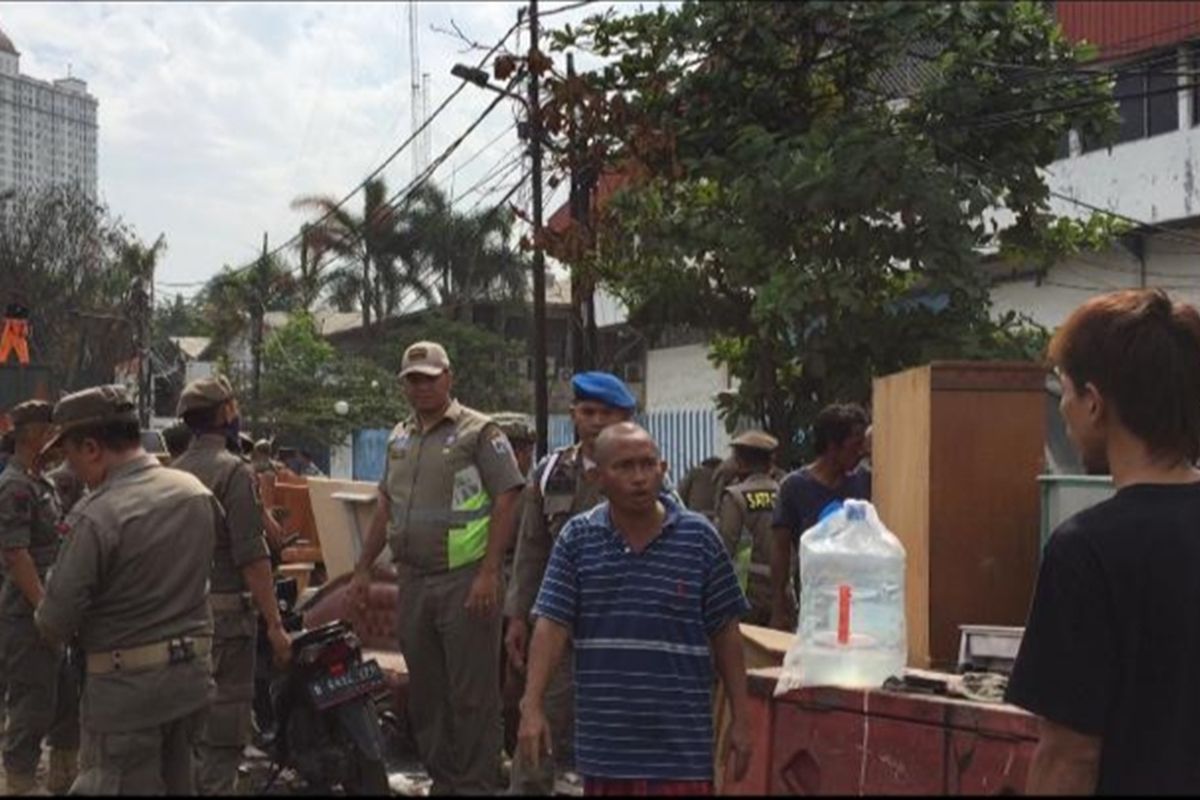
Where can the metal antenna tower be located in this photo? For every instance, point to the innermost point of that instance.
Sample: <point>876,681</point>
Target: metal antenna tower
<point>427,135</point>
<point>414,81</point>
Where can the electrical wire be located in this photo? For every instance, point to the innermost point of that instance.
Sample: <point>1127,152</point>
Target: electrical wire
<point>392,157</point>
<point>1005,118</point>
<point>1165,231</point>
<point>499,173</point>
<point>486,147</point>
<point>562,9</point>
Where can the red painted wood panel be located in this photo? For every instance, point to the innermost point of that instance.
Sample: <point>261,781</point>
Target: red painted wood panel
<point>757,779</point>
<point>987,765</point>
<point>815,752</point>
<point>1125,28</point>
<point>904,758</point>
<point>823,752</point>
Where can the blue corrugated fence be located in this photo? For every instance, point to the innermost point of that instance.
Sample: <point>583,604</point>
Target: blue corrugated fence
<point>686,437</point>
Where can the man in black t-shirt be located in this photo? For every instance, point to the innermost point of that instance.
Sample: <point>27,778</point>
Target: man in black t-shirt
<point>1110,659</point>
<point>839,436</point>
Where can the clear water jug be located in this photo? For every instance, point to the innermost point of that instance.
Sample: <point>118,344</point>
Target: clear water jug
<point>851,621</point>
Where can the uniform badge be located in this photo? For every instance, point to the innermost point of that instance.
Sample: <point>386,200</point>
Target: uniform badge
<point>501,445</point>
<point>21,502</point>
<point>397,447</point>
<point>759,500</point>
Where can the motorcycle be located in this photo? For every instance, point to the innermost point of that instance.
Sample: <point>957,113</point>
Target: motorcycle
<point>327,725</point>
<point>286,597</point>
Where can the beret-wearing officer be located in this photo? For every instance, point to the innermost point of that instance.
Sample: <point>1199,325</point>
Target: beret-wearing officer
<point>559,490</point>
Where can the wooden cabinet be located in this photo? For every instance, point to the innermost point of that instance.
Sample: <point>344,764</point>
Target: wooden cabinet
<point>958,447</point>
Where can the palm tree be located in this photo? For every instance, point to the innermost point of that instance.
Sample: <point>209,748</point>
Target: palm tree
<point>377,248</point>
<point>469,253</point>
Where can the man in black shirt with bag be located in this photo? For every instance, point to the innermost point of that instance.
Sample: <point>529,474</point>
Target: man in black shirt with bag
<point>1110,659</point>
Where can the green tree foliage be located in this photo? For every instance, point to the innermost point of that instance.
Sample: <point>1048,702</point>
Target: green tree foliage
<point>177,316</point>
<point>81,272</point>
<point>811,182</point>
<point>304,378</point>
<point>484,377</point>
<point>230,300</point>
<point>468,256</point>
<point>377,269</point>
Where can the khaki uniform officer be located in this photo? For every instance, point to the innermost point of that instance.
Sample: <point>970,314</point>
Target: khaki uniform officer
<point>744,519</point>
<point>560,489</point>
<point>448,503</point>
<point>241,580</point>
<point>43,699</point>
<point>131,583</point>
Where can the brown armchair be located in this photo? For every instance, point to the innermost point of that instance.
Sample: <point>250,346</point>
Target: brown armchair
<point>377,628</point>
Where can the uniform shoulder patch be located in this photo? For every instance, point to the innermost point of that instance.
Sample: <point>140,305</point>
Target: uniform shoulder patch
<point>759,499</point>
<point>500,443</point>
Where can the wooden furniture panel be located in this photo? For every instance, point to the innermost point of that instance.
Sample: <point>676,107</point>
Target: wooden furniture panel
<point>840,741</point>
<point>979,764</point>
<point>815,751</point>
<point>900,486</point>
<point>958,448</point>
<point>984,499</point>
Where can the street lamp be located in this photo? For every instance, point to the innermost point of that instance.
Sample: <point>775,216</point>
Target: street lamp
<point>341,408</point>
<point>479,77</point>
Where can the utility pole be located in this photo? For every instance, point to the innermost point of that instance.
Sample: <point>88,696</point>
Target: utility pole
<point>259,310</point>
<point>583,322</point>
<point>146,312</point>
<point>540,390</point>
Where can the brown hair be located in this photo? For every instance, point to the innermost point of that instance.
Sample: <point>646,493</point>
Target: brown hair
<point>1142,353</point>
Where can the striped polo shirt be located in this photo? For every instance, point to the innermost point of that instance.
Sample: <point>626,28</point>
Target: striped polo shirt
<point>641,624</point>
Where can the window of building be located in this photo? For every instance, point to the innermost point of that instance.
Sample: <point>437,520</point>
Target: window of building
<point>1147,101</point>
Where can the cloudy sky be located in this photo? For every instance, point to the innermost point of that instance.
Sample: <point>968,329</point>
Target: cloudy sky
<point>213,117</point>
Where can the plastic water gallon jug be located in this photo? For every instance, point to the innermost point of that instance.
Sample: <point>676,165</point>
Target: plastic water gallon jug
<point>851,625</point>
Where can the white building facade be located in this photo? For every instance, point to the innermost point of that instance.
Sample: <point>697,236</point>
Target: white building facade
<point>1151,175</point>
<point>47,129</point>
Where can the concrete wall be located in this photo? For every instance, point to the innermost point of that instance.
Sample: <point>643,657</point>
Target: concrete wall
<point>1152,180</point>
<point>1172,262</point>
<point>682,377</point>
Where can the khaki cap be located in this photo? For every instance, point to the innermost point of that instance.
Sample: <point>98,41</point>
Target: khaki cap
<point>95,406</point>
<point>756,440</point>
<point>517,427</point>
<point>204,393</point>
<point>31,412</point>
<point>425,358</point>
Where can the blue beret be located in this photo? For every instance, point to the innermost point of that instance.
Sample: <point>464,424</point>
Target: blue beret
<point>603,387</point>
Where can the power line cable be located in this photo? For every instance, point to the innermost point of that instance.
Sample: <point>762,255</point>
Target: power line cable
<point>395,153</point>
<point>1168,232</point>
<point>486,147</point>
<point>505,167</point>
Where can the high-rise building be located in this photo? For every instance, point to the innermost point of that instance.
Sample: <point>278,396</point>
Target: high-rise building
<point>47,128</point>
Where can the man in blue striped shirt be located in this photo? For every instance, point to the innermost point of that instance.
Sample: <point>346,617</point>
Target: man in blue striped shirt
<point>647,593</point>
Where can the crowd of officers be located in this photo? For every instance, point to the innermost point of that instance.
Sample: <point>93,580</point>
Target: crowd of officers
<point>131,598</point>
<point>471,526</point>
<point>132,592</point>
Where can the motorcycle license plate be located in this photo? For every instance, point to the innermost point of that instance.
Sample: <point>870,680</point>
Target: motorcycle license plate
<point>330,690</point>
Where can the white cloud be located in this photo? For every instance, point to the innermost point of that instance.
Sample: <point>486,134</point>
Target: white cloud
<point>214,116</point>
